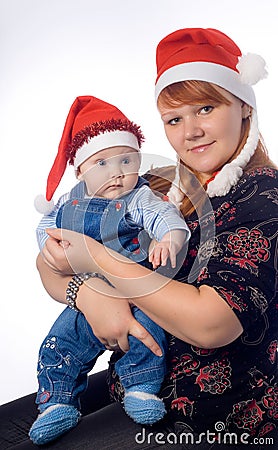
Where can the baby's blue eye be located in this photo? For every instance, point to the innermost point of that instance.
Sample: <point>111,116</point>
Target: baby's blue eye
<point>125,161</point>
<point>101,162</point>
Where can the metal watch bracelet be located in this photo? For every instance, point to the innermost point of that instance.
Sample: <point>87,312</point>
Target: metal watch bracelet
<point>74,284</point>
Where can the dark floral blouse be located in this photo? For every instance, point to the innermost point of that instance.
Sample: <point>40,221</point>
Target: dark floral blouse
<point>233,387</point>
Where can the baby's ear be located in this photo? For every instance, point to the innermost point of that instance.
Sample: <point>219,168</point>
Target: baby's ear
<point>78,174</point>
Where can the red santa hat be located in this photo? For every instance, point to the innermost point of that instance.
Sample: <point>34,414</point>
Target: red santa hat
<point>91,125</point>
<point>210,55</point>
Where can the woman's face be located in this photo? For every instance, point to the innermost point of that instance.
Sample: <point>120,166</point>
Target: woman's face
<point>205,136</point>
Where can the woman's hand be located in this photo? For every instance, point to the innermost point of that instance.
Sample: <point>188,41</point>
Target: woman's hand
<point>67,252</point>
<point>111,318</point>
<point>71,252</point>
<point>53,254</point>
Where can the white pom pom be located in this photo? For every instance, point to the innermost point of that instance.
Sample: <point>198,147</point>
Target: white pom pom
<point>42,205</point>
<point>252,68</point>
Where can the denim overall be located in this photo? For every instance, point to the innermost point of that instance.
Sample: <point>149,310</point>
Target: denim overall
<point>70,350</point>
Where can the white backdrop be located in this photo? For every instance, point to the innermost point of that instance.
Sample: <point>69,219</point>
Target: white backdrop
<point>52,51</point>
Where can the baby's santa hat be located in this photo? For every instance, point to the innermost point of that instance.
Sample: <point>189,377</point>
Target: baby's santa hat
<point>206,54</point>
<point>92,125</point>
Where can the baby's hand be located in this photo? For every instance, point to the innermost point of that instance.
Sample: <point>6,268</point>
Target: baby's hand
<point>168,247</point>
<point>160,252</point>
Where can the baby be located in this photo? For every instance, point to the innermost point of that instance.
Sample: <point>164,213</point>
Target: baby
<point>114,205</point>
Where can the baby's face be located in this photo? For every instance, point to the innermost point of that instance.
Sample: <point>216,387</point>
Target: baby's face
<point>111,172</point>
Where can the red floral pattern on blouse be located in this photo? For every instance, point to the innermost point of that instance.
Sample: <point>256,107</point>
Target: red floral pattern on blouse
<point>272,351</point>
<point>183,404</point>
<point>248,247</point>
<point>215,378</point>
<point>270,401</point>
<point>185,365</point>
<point>247,414</point>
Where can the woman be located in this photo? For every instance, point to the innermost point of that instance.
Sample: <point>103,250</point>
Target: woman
<point>219,311</point>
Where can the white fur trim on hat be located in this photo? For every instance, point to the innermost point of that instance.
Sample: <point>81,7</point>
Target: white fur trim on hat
<point>213,73</point>
<point>105,140</point>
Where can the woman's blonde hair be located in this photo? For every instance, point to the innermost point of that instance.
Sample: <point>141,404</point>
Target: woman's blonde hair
<point>202,92</point>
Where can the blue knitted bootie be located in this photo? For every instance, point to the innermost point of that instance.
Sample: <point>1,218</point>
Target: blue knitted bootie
<point>142,405</point>
<point>53,422</point>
